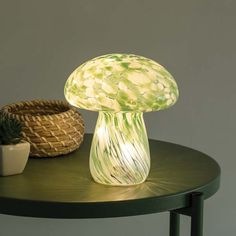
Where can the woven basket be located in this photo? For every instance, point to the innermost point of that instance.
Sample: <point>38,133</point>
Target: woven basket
<point>52,127</point>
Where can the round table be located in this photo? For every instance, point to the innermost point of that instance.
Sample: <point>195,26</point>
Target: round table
<point>179,180</point>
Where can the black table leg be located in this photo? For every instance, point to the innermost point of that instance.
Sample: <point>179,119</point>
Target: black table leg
<point>195,211</point>
<point>174,224</point>
<point>197,214</point>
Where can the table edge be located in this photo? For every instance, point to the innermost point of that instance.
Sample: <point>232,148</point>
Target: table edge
<point>84,210</point>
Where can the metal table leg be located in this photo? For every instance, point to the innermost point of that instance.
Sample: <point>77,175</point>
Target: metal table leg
<point>174,224</point>
<point>197,214</point>
<point>195,211</point>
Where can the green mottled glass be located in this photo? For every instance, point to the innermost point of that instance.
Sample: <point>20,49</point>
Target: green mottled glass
<point>120,152</point>
<point>120,87</point>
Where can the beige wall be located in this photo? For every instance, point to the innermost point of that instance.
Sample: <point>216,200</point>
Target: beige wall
<point>41,42</point>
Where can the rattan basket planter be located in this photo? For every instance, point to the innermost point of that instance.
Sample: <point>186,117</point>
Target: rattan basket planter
<point>52,127</point>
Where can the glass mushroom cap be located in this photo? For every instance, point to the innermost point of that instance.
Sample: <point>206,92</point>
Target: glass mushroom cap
<point>121,87</point>
<point>121,82</point>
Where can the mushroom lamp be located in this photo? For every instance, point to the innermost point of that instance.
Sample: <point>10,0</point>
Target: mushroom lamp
<point>120,87</point>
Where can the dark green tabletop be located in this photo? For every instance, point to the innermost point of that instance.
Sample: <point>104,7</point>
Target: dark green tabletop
<point>63,188</point>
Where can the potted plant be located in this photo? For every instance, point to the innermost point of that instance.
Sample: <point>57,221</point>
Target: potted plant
<point>14,152</point>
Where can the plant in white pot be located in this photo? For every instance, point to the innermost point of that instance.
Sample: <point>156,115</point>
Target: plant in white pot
<point>14,152</point>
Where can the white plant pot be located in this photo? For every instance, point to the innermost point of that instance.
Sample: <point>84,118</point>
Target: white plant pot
<point>13,158</point>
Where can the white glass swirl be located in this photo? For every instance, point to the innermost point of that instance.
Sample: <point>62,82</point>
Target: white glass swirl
<point>120,152</point>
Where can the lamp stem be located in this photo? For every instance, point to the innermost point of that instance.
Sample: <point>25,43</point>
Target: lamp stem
<point>119,153</point>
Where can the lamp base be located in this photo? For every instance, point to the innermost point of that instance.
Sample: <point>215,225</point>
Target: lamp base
<point>119,154</point>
